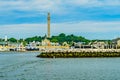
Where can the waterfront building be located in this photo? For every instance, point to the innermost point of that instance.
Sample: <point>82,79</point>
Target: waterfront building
<point>32,46</point>
<point>55,44</point>
<point>45,42</point>
<point>99,44</point>
<point>65,44</point>
<point>118,43</point>
<point>78,43</point>
<point>20,47</point>
<point>3,43</point>
<point>3,46</point>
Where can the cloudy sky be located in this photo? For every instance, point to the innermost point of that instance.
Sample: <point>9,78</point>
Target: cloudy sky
<point>93,19</point>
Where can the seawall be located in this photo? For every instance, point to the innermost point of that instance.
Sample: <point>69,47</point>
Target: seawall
<point>80,54</point>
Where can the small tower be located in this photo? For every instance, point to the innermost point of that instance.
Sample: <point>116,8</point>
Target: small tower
<point>48,28</point>
<point>6,39</point>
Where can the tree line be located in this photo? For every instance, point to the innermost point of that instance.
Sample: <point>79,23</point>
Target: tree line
<point>59,38</point>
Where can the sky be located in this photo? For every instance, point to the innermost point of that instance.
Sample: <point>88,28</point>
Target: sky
<point>93,19</point>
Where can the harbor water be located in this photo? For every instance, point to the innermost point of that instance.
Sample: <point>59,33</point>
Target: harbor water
<point>26,66</point>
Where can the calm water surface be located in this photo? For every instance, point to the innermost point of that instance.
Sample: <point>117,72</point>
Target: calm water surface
<point>25,66</point>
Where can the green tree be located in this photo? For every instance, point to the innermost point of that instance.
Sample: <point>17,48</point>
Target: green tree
<point>12,40</point>
<point>35,38</point>
<point>20,40</point>
<point>62,35</point>
<point>54,40</point>
<point>24,43</point>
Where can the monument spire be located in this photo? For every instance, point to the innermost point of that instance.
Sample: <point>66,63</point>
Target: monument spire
<point>48,28</point>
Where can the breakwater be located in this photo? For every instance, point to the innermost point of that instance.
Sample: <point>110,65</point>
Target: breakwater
<point>80,53</point>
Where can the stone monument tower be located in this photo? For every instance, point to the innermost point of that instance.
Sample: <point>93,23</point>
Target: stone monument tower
<point>48,28</point>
